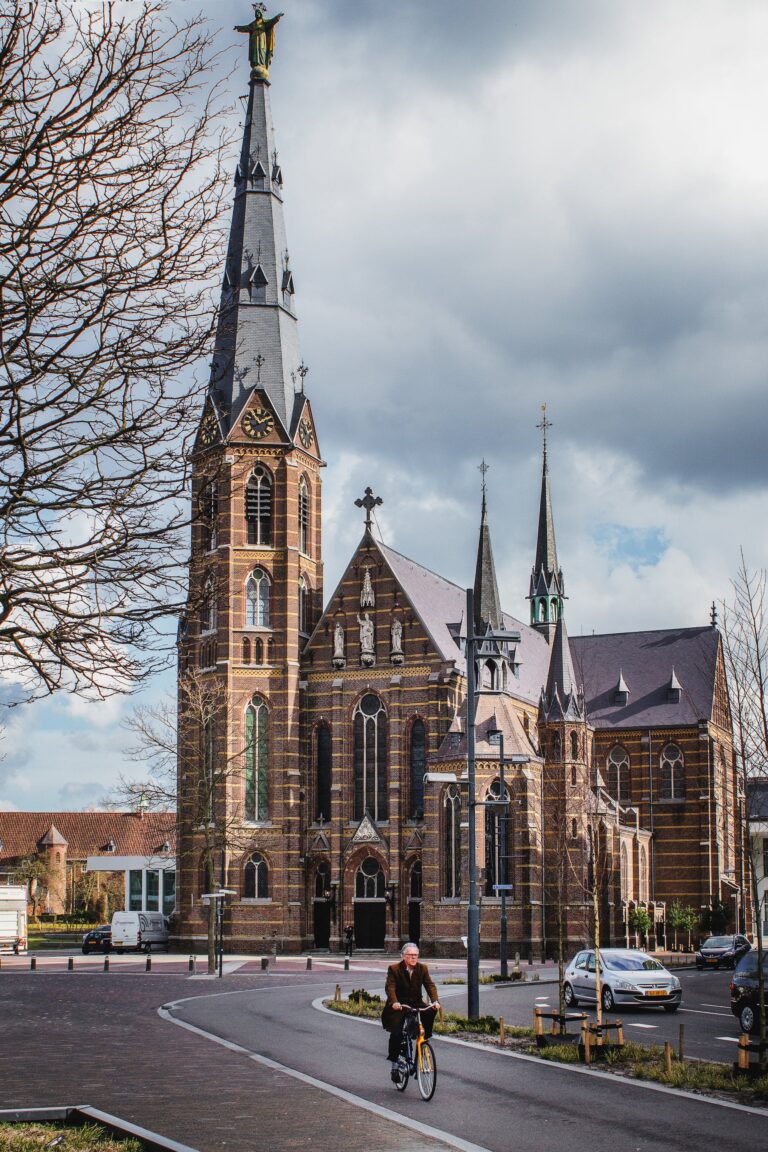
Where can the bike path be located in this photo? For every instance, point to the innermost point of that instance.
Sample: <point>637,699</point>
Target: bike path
<point>492,1100</point>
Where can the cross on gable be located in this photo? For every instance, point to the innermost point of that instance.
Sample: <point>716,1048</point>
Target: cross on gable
<point>369,502</point>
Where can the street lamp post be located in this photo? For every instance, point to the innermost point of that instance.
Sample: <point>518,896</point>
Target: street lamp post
<point>473,908</point>
<point>219,897</point>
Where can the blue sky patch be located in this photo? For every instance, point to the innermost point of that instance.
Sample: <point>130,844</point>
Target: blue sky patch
<point>637,547</point>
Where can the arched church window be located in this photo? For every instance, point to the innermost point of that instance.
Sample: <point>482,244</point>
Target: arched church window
<point>574,745</point>
<point>418,766</point>
<point>617,765</point>
<point>258,650</point>
<point>643,861</point>
<point>624,866</point>
<point>415,884</point>
<point>369,880</point>
<point>256,878</point>
<point>303,606</point>
<point>557,748</point>
<point>256,760</point>
<point>672,773</point>
<point>208,613</point>
<point>257,600</point>
<point>574,829</point>
<point>258,506</point>
<point>304,516</point>
<point>323,881</point>
<point>246,650</point>
<point>209,511</point>
<point>370,758</point>
<point>323,796</point>
<point>452,843</point>
<point>497,829</point>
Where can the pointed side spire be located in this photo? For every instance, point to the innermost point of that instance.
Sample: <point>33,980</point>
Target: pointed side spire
<point>487,602</point>
<point>561,682</point>
<point>547,586</point>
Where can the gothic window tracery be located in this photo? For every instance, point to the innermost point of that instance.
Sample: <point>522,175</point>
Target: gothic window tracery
<point>256,760</point>
<point>370,758</point>
<point>672,774</point>
<point>618,767</point>
<point>256,878</point>
<point>323,792</point>
<point>258,507</point>
<point>208,612</point>
<point>497,837</point>
<point>209,511</point>
<point>257,599</point>
<point>369,880</point>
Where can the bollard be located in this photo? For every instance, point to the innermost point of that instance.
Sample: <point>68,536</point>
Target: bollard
<point>537,1026</point>
<point>587,1042</point>
<point>309,963</point>
<point>264,963</point>
<point>681,1044</point>
<point>149,964</point>
<point>33,963</point>
<point>337,993</point>
<point>192,963</point>
<point>501,1031</point>
<point>106,963</point>
<point>620,1033</point>
<point>71,964</point>
<point>346,963</point>
<point>667,1057</point>
<point>743,1052</point>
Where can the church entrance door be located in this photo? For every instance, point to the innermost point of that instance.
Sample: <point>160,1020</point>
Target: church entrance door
<point>370,924</point>
<point>322,923</point>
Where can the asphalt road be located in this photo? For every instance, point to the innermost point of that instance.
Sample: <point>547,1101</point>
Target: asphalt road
<point>494,1101</point>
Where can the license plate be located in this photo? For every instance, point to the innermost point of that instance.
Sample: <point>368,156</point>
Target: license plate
<point>656,992</point>
<point>711,959</point>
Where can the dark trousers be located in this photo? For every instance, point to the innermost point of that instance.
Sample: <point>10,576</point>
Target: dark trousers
<point>396,1034</point>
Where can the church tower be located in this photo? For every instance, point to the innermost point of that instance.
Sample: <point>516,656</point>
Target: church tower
<point>547,589</point>
<point>255,584</point>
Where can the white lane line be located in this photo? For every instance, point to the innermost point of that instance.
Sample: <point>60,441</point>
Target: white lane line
<point>653,1027</point>
<point>730,1039</point>
<point>698,1012</point>
<point>358,1101</point>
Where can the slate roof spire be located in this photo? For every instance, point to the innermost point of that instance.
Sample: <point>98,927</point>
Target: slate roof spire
<point>257,342</point>
<point>487,603</point>
<point>547,588</point>
<point>562,699</point>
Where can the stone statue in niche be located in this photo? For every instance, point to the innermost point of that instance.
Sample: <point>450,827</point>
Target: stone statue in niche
<point>367,598</point>
<point>367,652</point>
<point>339,659</point>
<point>396,638</point>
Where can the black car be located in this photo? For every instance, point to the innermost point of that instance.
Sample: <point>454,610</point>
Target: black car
<point>744,990</point>
<point>98,939</point>
<point>722,952</point>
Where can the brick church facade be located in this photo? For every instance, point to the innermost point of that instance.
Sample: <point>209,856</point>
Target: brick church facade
<point>329,740</point>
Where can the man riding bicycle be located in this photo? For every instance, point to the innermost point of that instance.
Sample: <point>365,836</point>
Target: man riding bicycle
<point>403,987</point>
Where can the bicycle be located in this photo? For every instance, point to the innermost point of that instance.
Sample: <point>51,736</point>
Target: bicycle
<point>420,1063</point>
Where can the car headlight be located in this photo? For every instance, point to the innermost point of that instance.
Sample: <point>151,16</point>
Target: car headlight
<point>675,984</point>
<point>623,986</point>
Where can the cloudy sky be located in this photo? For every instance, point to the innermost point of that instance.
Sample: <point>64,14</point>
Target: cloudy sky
<point>493,206</point>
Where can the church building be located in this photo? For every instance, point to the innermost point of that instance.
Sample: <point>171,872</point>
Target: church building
<point>323,745</point>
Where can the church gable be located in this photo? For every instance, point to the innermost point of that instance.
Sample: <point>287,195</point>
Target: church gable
<point>370,622</point>
<point>303,431</point>
<point>258,423</point>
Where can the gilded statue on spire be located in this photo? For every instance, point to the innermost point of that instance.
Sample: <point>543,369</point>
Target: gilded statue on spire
<point>261,40</point>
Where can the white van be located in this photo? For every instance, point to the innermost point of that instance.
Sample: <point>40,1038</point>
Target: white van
<point>139,931</point>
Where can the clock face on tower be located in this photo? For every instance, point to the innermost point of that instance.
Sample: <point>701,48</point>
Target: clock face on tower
<point>258,423</point>
<point>305,433</point>
<point>208,429</point>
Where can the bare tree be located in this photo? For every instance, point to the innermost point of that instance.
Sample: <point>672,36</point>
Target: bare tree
<point>745,638</point>
<point>182,744</point>
<point>110,198</point>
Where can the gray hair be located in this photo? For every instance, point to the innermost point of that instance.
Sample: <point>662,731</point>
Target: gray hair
<point>408,947</point>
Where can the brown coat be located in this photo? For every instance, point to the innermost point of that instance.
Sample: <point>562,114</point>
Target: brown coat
<point>404,989</point>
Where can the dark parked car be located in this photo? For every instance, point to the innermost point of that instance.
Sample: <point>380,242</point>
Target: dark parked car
<point>744,990</point>
<point>98,939</point>
<point>722,952</point>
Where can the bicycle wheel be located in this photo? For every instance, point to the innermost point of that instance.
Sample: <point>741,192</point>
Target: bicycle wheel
<point>401,1082</point>
<point>426,1071</point>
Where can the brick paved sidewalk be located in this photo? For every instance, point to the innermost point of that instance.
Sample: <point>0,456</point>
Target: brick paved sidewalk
<point>96,1039</point>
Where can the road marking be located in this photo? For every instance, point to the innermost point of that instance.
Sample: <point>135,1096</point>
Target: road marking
<point>654,1027</point>
<point>730,1039</point>
<point>358,1101</point>
<point>698,1012</point>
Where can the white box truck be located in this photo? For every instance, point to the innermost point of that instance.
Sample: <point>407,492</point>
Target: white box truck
<point>13,918</point>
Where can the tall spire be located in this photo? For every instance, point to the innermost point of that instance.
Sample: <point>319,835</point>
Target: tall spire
<point>487,603</point>
<point>257,343</point>
<point>547,590</point>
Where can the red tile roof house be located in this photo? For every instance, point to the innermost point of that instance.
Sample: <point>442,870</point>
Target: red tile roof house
<point>128,856</point>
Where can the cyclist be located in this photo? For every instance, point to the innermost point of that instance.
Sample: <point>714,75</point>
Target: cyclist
<point>403,987</point>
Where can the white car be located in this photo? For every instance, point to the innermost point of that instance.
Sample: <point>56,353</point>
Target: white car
<point>627,977</point>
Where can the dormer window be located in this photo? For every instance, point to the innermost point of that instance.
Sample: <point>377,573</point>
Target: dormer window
<point>621,694</point>
<point>674,688</point>
<point>288,289</point>
<point>258,286</point>
<point>258,176</point>
<point>277,177</point>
